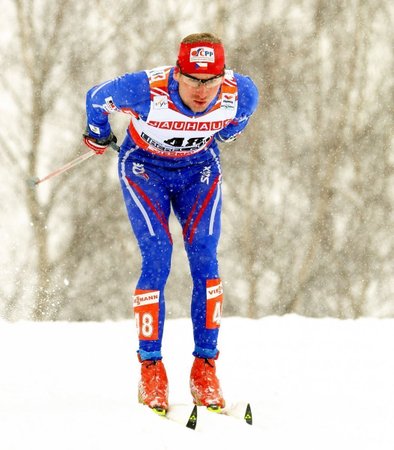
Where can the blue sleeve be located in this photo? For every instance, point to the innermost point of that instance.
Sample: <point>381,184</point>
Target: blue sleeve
<point>128,93</point>
<point>248,97</point>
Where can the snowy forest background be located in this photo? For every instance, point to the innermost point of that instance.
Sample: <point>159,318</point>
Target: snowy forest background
<point>308,189</point>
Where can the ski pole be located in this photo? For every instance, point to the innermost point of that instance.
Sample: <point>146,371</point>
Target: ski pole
<point>34,181</point>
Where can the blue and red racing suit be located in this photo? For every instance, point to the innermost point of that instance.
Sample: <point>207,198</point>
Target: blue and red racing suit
<point>170,158</point>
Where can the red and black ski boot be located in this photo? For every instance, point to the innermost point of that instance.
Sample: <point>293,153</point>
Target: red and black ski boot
<point>205,385</point>
<point>153,386</point>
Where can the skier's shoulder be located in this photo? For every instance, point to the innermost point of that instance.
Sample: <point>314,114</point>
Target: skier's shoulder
<point>135,84</point>
<point>129,87</point>
<point>132,90</point>
<point>248,94</point>
<point>138,85</point>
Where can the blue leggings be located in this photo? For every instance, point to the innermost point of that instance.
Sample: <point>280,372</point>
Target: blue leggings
<point>194,192</point>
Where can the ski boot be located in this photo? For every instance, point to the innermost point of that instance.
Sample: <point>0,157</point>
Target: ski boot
<point>205,386</point>
<point>153,386</point>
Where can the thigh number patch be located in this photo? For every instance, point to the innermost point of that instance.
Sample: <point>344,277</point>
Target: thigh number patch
<point>146,313</point>
<point>214,303</point>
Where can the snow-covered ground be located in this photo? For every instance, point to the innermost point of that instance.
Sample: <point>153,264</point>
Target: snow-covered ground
<point>312,383</point>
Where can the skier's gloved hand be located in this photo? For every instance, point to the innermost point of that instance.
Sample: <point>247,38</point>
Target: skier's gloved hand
<point>99,145</point>
<point>231,138</point>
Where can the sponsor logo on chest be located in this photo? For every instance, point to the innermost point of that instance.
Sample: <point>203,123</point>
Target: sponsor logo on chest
<point>181,125</point>
<point>228,101</point>
<point>160,102</point>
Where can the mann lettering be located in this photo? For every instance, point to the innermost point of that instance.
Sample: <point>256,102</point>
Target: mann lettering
<point>148,298</point>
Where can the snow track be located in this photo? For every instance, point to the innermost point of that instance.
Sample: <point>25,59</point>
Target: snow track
<point>312,383</point>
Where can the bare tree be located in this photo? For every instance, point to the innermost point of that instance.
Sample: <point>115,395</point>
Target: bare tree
<point>80,263</point>
<point>44,51</point>
<point>289,176</point>
<point>307,189</point>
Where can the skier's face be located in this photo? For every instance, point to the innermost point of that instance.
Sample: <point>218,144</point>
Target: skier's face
<point>198,90</point>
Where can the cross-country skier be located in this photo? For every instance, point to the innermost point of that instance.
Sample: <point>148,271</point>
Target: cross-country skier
<point>170,157</point>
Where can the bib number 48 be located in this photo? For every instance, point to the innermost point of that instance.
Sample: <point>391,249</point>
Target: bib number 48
<point>181,142</point>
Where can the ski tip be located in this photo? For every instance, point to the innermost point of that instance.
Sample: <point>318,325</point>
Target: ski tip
<point>214,408</point>
<point>248,415</point>
<point>159,411</point>
<point>192,422</point>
